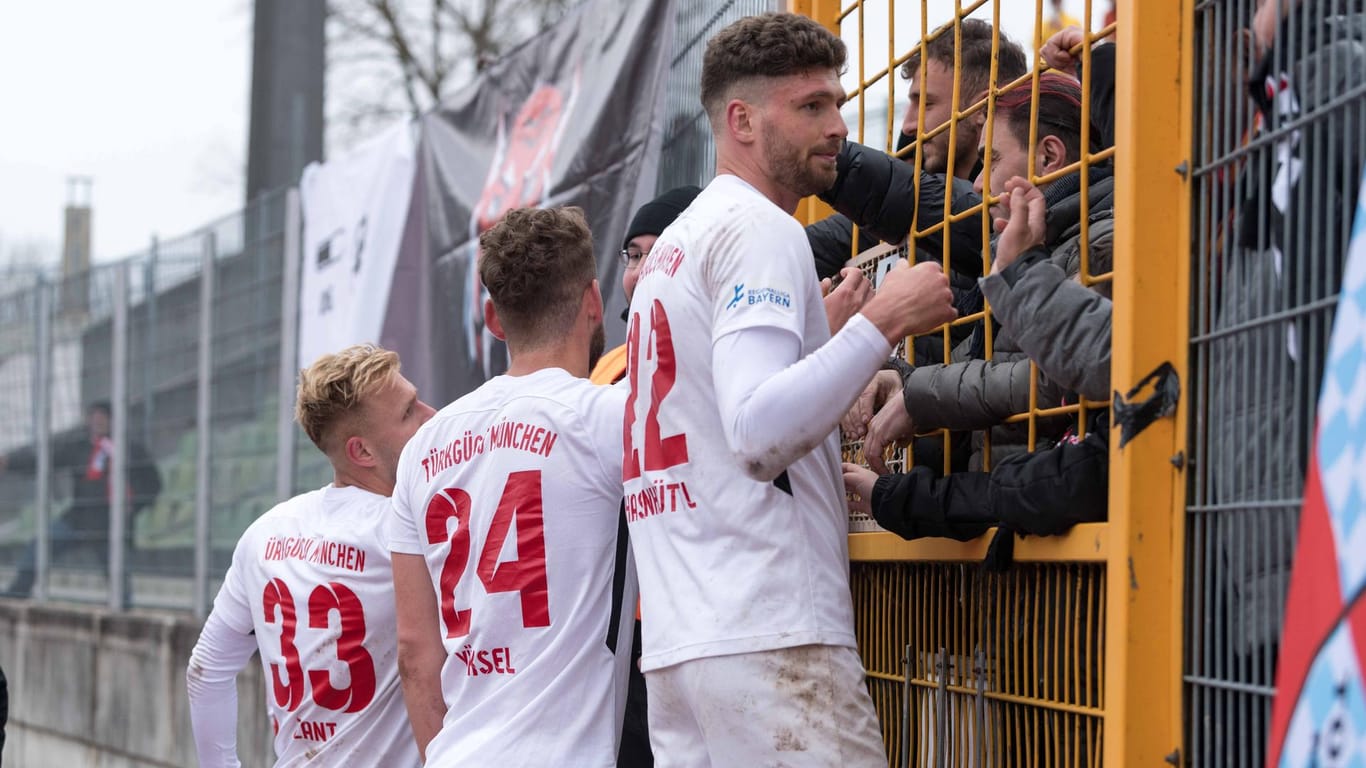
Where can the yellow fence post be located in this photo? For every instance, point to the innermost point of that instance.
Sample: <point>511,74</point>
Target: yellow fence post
<point>1143,701</point>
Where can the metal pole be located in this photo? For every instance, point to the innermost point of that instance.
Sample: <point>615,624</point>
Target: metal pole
<point>149,340</point>
<point>203,428</point>
<point>941,715</point>
<point>118,464</point>
<point>906,708</point>
<point>289,349</point>
<point>42,430</point>
<point>979,670</point>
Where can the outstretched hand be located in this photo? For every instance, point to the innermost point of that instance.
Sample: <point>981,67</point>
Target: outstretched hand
<point>883,385</point>
<point>843,301</point>
<point>1057,52</point>
<point>858,486</point>
<point>1027,225</point>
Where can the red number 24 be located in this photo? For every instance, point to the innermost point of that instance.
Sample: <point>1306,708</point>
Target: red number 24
<point>520,505</point>
<point>660,452</point>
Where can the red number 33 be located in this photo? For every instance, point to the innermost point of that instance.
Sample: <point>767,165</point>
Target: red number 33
<point>287,679</point>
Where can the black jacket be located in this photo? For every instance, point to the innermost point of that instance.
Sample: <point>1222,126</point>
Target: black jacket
<point>877,192</point>
<point>1043,493</point>
<point>90,480</point>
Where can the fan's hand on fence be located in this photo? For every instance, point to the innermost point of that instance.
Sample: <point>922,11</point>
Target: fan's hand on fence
<point>1026,226</point>
<point>843,301</point>
<point>891,424</point>
<point>1057,52</point>
<point>883,385</point>
<point>858,486</point>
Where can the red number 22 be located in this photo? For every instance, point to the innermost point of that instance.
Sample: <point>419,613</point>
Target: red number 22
<point>660,452</point>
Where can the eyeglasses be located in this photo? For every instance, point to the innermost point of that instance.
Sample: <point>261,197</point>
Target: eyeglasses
<point>630,257</point>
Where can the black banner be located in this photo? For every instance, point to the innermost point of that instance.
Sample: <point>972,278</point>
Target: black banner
<point>566,119</point>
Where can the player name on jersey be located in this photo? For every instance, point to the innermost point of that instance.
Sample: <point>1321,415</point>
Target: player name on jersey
<point>316,551</point>
<point>505,434</point>
<point>658,498</point>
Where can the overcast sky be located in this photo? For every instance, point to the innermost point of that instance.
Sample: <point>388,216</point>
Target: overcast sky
<point>149,99</point>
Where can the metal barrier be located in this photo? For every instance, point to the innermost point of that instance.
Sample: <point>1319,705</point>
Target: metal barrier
<point>1072,656</point>
<point>1276,189</point>
<point>192,402</point>
<point>689,156</point>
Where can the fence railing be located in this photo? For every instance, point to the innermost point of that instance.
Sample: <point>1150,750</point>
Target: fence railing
<point>180,349</point>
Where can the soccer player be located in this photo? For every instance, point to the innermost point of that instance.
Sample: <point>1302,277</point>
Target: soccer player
<point>506,526</point>
<point>732,476</point>
<point>310,587</point>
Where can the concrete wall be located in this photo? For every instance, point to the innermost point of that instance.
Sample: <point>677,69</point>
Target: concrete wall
<point>89,687</point>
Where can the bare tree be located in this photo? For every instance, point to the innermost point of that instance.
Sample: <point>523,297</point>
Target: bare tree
<point>389,59</point>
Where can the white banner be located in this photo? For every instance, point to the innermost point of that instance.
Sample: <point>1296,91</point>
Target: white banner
<point>354,210</point>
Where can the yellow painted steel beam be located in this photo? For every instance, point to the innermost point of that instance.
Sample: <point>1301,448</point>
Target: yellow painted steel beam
<point>1087,542</point>
<point>1151,326</point>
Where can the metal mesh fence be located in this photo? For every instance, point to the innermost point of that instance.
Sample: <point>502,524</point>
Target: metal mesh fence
<point>186,372</point>
<point>1280,128</point>
<point>1002,669</point>
<point>689,156</point>
<point>969,667</point>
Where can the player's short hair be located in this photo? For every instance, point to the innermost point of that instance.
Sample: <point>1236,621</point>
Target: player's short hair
<point>536,263</point>
<point>331,389</point>
<point>767,45</point>
<point>1059,113</point>
<point>974,56</point>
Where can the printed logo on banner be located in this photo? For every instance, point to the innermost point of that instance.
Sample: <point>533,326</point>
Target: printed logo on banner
<point>519,176</point>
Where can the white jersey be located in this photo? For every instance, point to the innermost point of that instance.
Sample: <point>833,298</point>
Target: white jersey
<point>312,579</point>
<point>512,494</point>
<point>726,564</point>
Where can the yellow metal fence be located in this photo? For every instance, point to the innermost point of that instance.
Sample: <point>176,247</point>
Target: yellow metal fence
<point>1072,657</point>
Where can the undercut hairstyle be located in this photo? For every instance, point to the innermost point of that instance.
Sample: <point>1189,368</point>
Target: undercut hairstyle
<point>764,46</point>
<point>332,389</point>
<point>974,58</point>
<point>536,263</point>
<point>1059,113</point>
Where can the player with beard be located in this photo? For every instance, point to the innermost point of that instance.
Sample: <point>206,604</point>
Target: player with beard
<point>506,521</point>
<point>310,587</point>
<point>733,490</point>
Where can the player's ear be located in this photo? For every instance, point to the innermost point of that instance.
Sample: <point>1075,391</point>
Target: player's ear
<point>358,452</point>
<point>740,120</point>
<point>492,322</point>
<point>592,301</point>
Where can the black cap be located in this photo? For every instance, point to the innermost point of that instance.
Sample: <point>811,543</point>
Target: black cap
<point>660,212</point>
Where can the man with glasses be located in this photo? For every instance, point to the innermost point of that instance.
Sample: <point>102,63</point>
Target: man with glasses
<point>645,227</point>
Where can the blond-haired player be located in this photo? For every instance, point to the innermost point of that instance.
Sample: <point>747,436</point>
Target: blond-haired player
<point>310,587</point>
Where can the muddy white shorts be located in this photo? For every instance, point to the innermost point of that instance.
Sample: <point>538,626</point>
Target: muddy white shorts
<point>792,707</point>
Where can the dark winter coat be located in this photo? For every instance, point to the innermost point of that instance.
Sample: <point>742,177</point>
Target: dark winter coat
<point>1043,493</point>
<point>978,394</point>
<point>877,192</point>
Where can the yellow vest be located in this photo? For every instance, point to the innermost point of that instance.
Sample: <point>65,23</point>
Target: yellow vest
<point>611,367</point>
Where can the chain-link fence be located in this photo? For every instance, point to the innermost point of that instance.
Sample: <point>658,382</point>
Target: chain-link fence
<point>1280,130</point>
<point>689,155</point>
<point>141,415</point>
